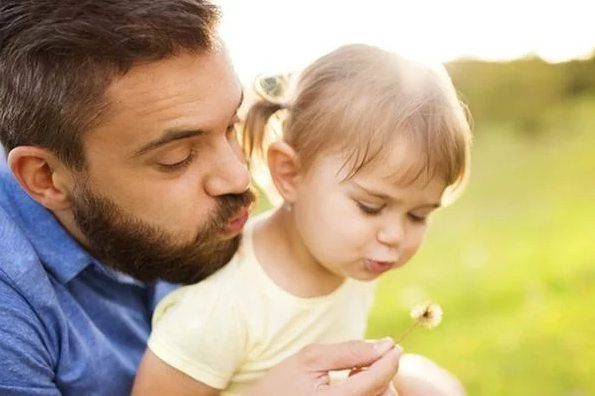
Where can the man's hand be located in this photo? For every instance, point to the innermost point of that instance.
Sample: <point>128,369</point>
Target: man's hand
<point>306,373</point>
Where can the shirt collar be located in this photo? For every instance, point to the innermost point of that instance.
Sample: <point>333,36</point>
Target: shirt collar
<point>118,276</point>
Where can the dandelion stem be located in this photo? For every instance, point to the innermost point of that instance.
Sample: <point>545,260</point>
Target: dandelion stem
<point>409,330</point>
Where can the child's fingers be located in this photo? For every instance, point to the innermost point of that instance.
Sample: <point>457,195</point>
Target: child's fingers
<point>345,355</point>
<point>374,380</point>
<point>390,391</point>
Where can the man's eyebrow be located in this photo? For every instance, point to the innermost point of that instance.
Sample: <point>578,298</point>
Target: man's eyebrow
<point>167,137</point>
<point>171,136</point>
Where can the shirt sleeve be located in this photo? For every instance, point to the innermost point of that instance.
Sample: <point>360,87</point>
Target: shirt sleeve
<point>202,332</point>
<point>27,365</point>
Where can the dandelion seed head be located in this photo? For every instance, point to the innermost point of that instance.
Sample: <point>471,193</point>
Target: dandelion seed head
<point>428,314</point>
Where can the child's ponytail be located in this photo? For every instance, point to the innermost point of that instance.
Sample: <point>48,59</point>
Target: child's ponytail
<point>254,134</point>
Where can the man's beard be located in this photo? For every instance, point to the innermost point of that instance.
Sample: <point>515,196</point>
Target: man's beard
<point>132,246</point>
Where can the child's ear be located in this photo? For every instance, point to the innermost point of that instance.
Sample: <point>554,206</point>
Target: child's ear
<point>42,176</point>
<point>284,168</point>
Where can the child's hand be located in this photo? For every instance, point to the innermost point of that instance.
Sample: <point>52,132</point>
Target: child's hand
<point>390,391</point>
<point>306,373</point>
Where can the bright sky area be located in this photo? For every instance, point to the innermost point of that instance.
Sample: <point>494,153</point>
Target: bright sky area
<point>285,35</point>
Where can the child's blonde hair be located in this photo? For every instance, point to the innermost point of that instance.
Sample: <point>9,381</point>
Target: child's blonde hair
<point>360,101</point>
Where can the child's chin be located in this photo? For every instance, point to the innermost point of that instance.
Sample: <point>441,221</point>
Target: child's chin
<point>365,276</point>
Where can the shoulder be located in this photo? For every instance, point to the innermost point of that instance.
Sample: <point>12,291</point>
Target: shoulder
<point>27,345</point>
<point>219,305</point>
<point>18,258</point>
<point>231,291</point>
<point>26,292</point>
<point>215,297</point>
<point>27,295</point>
<point>20,266</point>
<point>202,331</point>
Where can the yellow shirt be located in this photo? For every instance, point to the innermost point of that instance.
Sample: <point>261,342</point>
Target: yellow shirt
<point>230,329</point>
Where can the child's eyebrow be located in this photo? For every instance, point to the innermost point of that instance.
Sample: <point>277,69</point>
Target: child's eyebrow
<point>373,193</point>
<point>430,206</point>
<point>383,196</point>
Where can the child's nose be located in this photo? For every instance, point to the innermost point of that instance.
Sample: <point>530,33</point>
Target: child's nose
<point>392,233</point>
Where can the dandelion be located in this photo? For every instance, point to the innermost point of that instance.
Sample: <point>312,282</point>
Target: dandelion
<point>428,315</point>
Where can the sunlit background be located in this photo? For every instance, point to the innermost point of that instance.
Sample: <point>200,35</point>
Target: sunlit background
<point>273,35</point>
<point>513,261</point>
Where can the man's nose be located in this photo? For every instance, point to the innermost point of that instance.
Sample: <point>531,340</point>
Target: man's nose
<point>229,174</point>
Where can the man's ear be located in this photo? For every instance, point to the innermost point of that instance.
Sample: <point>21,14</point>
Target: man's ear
<point>42,175</point>
<point>284,168</point>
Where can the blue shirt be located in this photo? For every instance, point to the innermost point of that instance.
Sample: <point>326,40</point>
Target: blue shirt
<point>68,325</point>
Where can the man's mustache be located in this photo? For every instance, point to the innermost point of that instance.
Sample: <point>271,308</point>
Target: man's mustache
<point>230,205</point>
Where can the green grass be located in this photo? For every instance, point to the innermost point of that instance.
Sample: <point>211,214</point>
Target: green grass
<point>513,265</point>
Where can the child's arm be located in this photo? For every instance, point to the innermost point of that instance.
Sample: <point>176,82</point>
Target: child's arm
<point>198,341</point>
<point>156,378</point>
<point>299,375</point>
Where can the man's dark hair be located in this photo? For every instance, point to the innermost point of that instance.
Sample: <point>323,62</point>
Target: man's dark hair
<point>57,58</point>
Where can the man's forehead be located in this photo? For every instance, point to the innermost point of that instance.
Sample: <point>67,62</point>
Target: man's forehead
<point>184,92</point>
<point>212,72</point>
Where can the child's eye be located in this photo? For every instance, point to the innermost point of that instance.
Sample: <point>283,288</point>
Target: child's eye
<point>368,209</point>
<point>416,218</point>
<point>178,165</point>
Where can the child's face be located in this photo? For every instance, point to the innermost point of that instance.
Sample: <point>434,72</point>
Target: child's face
<point>363,226</point>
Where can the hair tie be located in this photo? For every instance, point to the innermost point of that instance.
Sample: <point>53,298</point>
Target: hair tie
<point>272,88</point>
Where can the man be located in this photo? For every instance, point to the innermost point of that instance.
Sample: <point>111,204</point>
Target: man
<point>118,122</point>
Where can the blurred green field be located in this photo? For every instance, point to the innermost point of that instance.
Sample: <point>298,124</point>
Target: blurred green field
<point>513,265</point>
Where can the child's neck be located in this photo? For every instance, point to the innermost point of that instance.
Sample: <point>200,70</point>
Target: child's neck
<point>283,256</point>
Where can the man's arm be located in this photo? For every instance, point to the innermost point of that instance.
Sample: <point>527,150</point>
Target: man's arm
<point>27,367</point>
